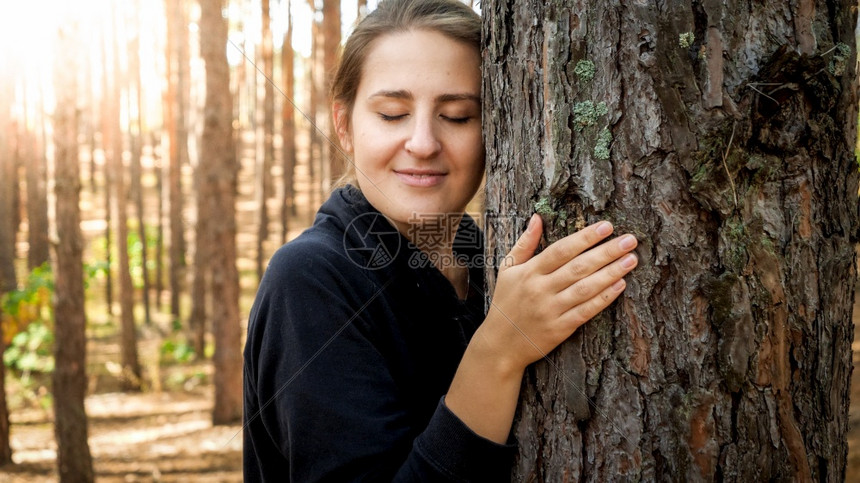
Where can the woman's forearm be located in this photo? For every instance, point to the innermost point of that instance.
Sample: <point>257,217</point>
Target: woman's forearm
<point>485,390</point>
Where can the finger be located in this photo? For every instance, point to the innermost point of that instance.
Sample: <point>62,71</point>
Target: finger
<point>591,261</point>
<point>590,287</point>
<point>566,249</point>
<point>585,311</point>
<point>525,247</point>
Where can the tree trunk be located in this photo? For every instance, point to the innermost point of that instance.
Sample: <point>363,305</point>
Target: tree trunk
<point>38,252</point>
<point>288,128</point>
<point>8,281</point>
<point>107,133</point>
<point>131,372</point>
<point>202,269</point>
<point>722,135</point>
<point>264,172</point>
<point>159,167</point>
<point>218,188</point>
<point>314,144</point>
<point>177,57</point>
<point>331,47</point>
<point>136,139</point>
<point>74,461</point>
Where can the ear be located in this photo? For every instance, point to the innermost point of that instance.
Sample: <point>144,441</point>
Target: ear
<point>341,125</point>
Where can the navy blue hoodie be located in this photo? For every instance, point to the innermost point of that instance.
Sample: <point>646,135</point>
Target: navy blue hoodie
<point>353,340</point>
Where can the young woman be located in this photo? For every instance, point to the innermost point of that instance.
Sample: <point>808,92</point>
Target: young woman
<point>369,354</point>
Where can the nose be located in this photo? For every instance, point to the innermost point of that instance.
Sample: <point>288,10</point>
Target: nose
<point>423,142</point>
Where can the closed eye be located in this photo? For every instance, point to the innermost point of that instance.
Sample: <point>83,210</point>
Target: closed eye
<point>457,120</point>
<point>390,117</point>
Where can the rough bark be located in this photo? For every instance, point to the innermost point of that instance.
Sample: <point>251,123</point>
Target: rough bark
<point>218,188</point>
<point>722,135</point>
<point>74,461</point>
<point>288,128</point>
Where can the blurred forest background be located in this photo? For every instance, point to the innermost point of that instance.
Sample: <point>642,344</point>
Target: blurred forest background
<point>124,91</point>
<point>196,137</point>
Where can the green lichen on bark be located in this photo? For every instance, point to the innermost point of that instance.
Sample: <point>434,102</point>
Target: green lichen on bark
<point>841,54</point>
<point>586,113</point>
<point>584,70</point>
<point>543,208</point>
<point>604,140</point>
<point>686,39</point>
<point>736,240</point>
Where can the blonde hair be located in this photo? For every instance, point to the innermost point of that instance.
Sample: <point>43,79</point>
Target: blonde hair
<point>451,18</point>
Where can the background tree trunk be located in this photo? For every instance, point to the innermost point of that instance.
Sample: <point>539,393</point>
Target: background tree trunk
<point>315,148</point>
<point>177,57</point>
<point>74,461</point>
<point>288,127</point>
<point>131,371</point>
<point>722,135</point>
<point>331,46</point>
<point>38,251</point>
<point>218,189</point>
<point>8,281</point>
<point>267,129</point>
<point>107,132</point>
<point>136,141</point>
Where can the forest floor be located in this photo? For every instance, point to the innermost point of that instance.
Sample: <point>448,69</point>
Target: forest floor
<point>157,435</point>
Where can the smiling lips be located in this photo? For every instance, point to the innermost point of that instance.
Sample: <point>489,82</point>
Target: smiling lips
<point>420,178</point>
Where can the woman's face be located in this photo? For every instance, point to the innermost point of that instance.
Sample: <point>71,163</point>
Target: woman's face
<point>415,129</point>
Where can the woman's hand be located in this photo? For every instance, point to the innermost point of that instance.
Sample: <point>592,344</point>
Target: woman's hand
<point>540,300</point>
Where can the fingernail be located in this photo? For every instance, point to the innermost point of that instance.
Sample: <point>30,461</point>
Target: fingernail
<point>627,242</point>
<point>619,285</point>
<point>604,228</point>
<point>628,261</point>
<point>532,223</point>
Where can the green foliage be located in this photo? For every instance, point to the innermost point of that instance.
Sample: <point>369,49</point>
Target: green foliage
<point>29,303</point>
<point>135,253</point>
<point>184,381</point>
<point>31,350</point>
<point>584,70</point>
<point>94,270</point>
<point>175,351</point>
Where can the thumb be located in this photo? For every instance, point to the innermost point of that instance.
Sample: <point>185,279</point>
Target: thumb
<point>526,244</point>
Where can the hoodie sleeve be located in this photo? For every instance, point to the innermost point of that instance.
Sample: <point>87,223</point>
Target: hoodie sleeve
<point>320,399</point>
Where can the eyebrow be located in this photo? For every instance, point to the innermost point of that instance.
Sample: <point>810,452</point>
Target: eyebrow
<point>406,95</point>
